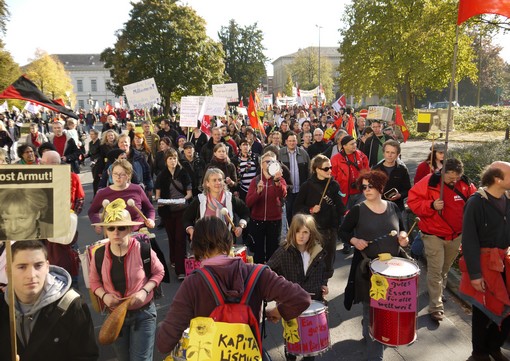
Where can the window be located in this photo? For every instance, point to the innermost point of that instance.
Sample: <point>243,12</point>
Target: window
<point>81,104</point>
<point>79,84</point>
<point>93,85</point>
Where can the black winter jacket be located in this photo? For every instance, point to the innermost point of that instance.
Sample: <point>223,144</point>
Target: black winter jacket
<point>289,264</point>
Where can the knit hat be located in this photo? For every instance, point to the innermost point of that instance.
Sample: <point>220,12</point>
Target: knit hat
<point>114,154</point>
<point>346,140</point>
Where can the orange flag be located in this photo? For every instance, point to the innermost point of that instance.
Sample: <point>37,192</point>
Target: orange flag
<point>399,120</point>
<point>470,8</point>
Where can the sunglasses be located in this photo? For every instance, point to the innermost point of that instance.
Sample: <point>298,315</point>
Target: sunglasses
<point>364,187</point>
<point>120,228</point>
<point>326,169</point>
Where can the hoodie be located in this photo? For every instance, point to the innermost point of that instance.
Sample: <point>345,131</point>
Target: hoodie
<point>58,282</point>
<point>193,298</point>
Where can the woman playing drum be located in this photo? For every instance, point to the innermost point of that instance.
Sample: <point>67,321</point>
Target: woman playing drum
<point>368,227</point>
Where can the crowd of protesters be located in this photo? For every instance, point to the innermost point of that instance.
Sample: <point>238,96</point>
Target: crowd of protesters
<point>338,168</point>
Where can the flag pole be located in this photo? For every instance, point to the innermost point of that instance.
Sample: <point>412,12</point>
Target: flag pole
<point>450,110</point>
<point>10,295</point>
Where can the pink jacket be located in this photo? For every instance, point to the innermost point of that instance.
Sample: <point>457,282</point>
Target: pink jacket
<point>134,272</point>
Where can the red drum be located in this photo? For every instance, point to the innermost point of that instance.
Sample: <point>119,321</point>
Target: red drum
<point>240,251</point>
<point>393,317</point>
<point>313,331</point>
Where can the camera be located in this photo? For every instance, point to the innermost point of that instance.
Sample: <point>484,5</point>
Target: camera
<point>391,193</point>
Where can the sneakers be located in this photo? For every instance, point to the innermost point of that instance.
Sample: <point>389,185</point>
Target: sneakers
<point>181,277</point>
<point>347,248</point>
<point>437,316</point>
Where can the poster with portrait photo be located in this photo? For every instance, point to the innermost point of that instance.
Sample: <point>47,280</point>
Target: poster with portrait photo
<point>35,201</point>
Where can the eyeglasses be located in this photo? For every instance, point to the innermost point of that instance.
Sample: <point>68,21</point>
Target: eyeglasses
<point>119,228</point>
<point>326,169</point>
<point>364,187</point>
<point>120,175</point>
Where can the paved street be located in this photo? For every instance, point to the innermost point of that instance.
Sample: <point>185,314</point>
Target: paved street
<point>448,341</point>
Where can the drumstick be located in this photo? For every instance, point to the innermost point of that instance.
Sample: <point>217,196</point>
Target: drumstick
<point>224,211</point>
<point>393,233</point>
<point>105,204</point>
<point>113,324</point>
<point>416,220</point>
<point>131,203</point>
<point>324,192</point>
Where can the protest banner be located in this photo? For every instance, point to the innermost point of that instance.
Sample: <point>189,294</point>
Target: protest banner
<point>190,107</point>
<point>143,94</point>
<point>228,91</point>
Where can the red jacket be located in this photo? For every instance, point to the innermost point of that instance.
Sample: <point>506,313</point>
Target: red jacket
<point>448,224</point>
<point>267,205</point>
<point>344,173</point>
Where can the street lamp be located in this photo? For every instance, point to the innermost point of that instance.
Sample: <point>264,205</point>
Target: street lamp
<point>319,27</point>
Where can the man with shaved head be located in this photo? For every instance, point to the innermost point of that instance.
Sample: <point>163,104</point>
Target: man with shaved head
<point>485,266</point>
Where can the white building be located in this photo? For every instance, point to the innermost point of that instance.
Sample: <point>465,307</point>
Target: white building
<point>89,78</point>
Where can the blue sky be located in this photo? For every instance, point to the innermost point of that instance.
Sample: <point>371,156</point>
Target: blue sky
<point>79,26</point>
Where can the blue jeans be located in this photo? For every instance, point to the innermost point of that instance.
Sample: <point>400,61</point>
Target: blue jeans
<point>374,348</point>
<point>136,339</point>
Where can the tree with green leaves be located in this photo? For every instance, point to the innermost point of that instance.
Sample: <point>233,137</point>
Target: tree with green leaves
<point>244,56</point>
<point>167,42</point>
<point>9,69</point>
<point>401,48</point>
<point>48,73</point>
<point>287,90</point>
<point>4,16</point>
<point>304,70</point>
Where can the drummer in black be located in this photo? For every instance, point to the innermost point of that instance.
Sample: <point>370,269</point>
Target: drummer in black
<point>368,227</point>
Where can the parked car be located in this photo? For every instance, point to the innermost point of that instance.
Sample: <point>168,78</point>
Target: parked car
<point>443,105</point>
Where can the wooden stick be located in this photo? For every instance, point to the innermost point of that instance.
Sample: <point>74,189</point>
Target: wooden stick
<point>324,192</point>
<point>12,307</point>
<point>131,203</point>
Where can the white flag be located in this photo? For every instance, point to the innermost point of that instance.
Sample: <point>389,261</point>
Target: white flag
<point>31,107</point>
<point>15,109</point>
<point>96,106</point>
<point>4,107</point>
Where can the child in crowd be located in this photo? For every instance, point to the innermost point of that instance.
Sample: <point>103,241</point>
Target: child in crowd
<point>300,259</point>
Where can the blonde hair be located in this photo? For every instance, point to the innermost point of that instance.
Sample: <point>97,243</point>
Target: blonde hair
<point>104,136</point>
<point>299,221</point>
<point>208,174</point>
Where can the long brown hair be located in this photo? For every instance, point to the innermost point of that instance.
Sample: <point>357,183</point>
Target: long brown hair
<point>299,221</point>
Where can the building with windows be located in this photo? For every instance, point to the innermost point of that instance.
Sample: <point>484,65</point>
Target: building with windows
<point>280,74</point>
<point>90,78</point>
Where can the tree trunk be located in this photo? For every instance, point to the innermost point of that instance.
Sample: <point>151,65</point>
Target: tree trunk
<point>167,103</point>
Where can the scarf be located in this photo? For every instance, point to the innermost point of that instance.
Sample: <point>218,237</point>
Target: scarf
<point>35,139</point>
<point>214,206</point>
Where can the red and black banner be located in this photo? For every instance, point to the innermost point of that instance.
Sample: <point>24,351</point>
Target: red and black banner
<point>24,89</point>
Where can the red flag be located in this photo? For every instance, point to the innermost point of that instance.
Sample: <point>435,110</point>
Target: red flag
<point>241,103</point>
<point>25,89</point>
<point>338,122</point>
<point>339,103</point>
<point>470,8</point>
<point>399,120</point>
<point>59,101</point>
<point>253,117</point>
<point>205,125</point>
<point>350,127</point>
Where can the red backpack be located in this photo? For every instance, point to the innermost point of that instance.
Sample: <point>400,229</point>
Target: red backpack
<point>238,310</point>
